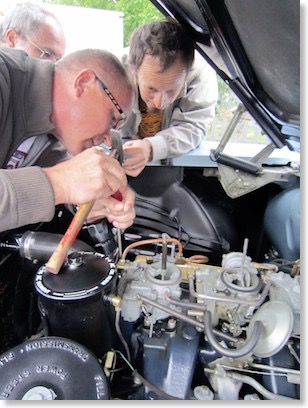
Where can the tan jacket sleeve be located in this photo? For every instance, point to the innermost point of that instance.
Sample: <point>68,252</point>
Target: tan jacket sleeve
<point>27,197</point>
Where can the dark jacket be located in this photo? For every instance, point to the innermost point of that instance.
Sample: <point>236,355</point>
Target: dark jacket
<point>25,108</point>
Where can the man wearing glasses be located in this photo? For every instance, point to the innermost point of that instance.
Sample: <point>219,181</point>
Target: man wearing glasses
<point>39,33</point>
<point>35,30</point>
<point>74,103</point>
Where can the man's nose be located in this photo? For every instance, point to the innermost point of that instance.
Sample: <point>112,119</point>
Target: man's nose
<point>160,100</point>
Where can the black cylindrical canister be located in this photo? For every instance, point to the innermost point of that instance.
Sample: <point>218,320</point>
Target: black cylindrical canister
<point>71,302</point>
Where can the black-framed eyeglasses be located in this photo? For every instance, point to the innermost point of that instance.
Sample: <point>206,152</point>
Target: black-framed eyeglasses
<point>44,53</point>
<point>113,100</point>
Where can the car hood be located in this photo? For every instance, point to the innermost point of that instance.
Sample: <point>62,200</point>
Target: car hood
<point>254,46</point>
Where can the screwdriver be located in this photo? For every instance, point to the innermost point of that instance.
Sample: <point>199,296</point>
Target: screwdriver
<point>118,196</point>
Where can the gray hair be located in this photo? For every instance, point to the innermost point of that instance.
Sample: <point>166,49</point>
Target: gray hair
<point>25,19</point>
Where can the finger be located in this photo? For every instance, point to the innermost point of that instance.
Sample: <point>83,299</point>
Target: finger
<point>116,180</point>
<point>129,199</point>
<point>134,172</point>
<point>122,222</point>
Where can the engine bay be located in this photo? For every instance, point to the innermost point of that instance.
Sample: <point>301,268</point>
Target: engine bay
<point>200,298</point>
<point>147,324</point>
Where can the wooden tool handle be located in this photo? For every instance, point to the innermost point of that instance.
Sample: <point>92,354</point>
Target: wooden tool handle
<point>57,258</point>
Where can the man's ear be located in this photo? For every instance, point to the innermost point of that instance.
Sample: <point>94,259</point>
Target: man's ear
<point>83,81</point>
<point>11,38</point>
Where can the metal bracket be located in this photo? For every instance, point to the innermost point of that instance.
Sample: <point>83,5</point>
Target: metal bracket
<point>237,183</point>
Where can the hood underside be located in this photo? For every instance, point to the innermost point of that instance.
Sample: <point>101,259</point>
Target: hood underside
<point>254,46</point>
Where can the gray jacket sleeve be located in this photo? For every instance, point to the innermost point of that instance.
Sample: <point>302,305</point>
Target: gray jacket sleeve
<point>186,121</point>
<point>27,197</point>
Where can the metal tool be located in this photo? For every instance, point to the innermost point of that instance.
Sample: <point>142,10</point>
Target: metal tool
<point>116,146</point>
<point>117,151</point>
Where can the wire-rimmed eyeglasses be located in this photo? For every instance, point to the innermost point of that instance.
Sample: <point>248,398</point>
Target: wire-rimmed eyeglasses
<point>44,53</point>
<point>113,100</point>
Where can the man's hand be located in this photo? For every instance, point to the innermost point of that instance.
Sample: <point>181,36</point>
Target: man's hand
<point>120,214</point>
<point>88,176</point>
<point>138,153</point>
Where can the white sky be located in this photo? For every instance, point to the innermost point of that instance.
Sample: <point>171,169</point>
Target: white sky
<point>84,27</point>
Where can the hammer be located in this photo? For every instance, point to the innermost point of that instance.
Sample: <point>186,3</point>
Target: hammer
<point>57,258</point>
